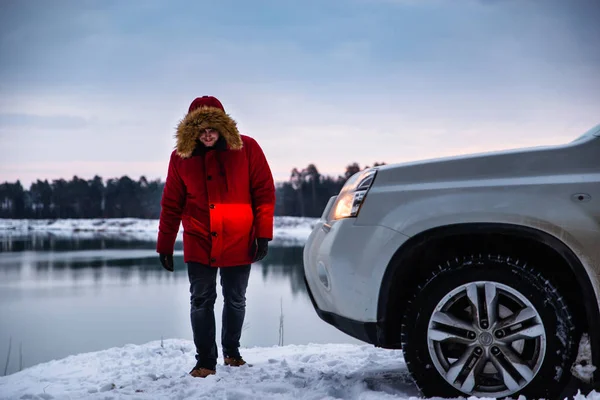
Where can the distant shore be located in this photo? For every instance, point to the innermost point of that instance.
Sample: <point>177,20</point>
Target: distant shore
<point>287,230</point>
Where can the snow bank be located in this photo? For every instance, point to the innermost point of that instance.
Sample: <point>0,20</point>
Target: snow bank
<point>150,371</point>
<point>287,230</point>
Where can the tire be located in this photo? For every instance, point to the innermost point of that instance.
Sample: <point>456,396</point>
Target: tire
<point>525,345</point>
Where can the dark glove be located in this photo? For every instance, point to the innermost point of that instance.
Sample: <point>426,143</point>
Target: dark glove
<point>167,261</point>
<point>260,249</point>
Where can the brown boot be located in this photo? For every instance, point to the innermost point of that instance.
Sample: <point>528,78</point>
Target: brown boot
<point>234,361</point>
<point>202,372</point>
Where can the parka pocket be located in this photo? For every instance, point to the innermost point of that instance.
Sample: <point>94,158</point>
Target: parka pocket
<point>194,227</point>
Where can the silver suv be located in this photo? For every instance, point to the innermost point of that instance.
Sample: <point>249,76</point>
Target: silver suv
<point>483,269</point>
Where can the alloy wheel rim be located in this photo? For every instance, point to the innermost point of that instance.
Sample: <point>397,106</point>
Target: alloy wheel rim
<point>486,339</point>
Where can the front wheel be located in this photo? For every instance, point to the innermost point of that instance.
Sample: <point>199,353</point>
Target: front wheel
<point>488,327</point>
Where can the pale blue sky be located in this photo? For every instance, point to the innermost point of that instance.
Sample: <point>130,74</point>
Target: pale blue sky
<point>97,87</point>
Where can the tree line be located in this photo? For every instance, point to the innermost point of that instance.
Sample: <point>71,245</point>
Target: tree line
<point>305,194</point>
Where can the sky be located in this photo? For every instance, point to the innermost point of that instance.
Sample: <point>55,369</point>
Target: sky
<point>97,87</point>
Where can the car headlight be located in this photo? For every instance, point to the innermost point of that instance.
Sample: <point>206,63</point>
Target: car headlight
<point>353,194</point>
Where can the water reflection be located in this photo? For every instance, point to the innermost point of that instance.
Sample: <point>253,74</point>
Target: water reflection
<point>39,241</point>
<point>285,262</point>
<point>122,259</point>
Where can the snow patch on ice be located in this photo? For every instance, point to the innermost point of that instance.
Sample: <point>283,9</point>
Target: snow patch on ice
<point>287,230</point>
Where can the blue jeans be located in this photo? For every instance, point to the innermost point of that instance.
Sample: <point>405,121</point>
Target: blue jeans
<point>203,289</point>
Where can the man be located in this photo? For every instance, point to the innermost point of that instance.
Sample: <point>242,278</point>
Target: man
<point>220,187</point>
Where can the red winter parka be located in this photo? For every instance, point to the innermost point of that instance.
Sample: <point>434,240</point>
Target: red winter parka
<point>224,197</point>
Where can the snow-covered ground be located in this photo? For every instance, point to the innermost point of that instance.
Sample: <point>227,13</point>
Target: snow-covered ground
<point>287,230</point>
<point>160,371</point>
<point>315,371</point>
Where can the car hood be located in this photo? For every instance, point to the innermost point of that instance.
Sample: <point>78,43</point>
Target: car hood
<point>577,157</point>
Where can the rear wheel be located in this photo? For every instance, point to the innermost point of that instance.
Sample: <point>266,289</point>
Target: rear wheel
<point>488,327</point>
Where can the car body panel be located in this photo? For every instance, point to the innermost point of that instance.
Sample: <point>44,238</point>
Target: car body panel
<point>355,258</point>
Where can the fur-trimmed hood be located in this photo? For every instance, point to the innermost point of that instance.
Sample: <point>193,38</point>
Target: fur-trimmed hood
<point>201,118</point>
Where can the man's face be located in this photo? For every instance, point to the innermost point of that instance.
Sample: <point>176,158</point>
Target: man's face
<point>209,137</point>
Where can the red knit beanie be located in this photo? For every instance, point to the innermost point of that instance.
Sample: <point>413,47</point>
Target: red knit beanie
<point>205,101</point>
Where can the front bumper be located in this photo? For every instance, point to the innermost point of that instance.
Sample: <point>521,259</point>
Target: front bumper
<point>366,331</point>
<point>344,265</point>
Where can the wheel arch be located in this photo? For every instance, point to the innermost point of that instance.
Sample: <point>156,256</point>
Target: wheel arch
<point>403,268</point>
